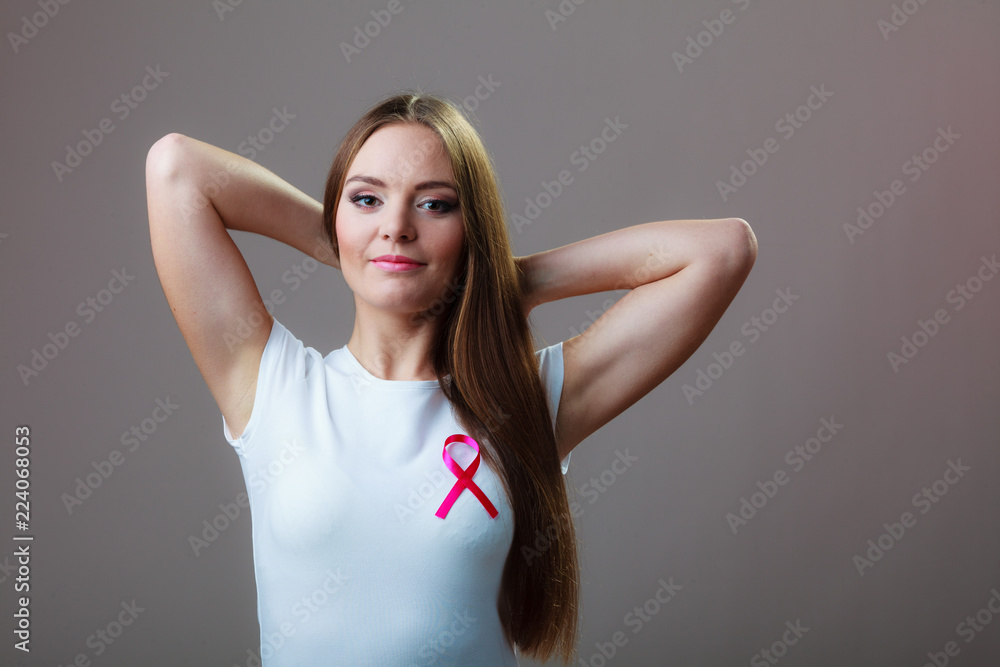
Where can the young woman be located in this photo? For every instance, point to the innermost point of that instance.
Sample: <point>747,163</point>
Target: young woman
<point>378,536</point>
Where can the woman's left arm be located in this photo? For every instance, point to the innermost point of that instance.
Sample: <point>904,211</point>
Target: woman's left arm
<point>681,276</point>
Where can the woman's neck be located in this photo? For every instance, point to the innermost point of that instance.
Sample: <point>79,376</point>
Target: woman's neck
<point>394,346</point>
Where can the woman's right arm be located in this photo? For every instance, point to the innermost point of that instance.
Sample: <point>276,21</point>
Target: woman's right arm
<point>195,192</point>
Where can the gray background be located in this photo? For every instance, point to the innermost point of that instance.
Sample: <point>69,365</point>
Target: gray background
<point>824,357</point>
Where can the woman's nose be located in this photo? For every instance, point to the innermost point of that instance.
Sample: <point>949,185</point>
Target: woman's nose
<point>397,223</point>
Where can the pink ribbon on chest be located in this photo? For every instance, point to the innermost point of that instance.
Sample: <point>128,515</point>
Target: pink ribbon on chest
<point>464,480</point>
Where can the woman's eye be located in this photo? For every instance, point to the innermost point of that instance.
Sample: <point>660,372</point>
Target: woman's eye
<point>442,206</point>
<point>357,198</point>
<point>366,201</point>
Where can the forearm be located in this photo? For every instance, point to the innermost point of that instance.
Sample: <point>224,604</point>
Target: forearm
<point>633,256</point>
<point>248,197</point>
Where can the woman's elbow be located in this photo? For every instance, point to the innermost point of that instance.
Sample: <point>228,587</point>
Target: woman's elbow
<point>746,244</point>
<point>736,250</point>
<point>164,156</point>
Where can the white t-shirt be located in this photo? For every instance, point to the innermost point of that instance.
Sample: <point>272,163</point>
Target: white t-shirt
<point>344,472</point>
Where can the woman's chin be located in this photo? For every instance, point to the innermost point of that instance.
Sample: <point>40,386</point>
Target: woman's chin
<point>398,305</point>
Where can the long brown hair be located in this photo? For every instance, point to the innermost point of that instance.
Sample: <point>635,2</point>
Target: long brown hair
<point>484,343</point>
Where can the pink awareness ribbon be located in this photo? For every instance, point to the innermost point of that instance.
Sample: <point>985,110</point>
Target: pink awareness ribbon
<point>464,480</point>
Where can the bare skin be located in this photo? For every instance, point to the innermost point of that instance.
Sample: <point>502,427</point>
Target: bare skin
<point>682,274</point>
<point>390,339</point>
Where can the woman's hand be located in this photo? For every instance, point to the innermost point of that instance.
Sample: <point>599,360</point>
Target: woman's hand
<point>323,253</point>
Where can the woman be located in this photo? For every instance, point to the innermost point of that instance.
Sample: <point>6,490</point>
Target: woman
<point>378,537</point>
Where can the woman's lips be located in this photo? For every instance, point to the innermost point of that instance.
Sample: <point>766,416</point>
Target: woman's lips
<point>391,265</point>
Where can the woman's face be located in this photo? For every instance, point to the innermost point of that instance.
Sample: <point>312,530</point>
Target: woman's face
<point>400,198</point>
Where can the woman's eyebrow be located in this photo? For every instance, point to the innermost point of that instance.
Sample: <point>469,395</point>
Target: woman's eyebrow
<point>425,185</point>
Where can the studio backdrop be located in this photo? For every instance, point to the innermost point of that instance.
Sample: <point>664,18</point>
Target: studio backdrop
<point>816,485</point>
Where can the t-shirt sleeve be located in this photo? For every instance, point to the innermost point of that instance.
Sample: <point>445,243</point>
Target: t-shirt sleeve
<point>550,361</point>
<point>284,360</point>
